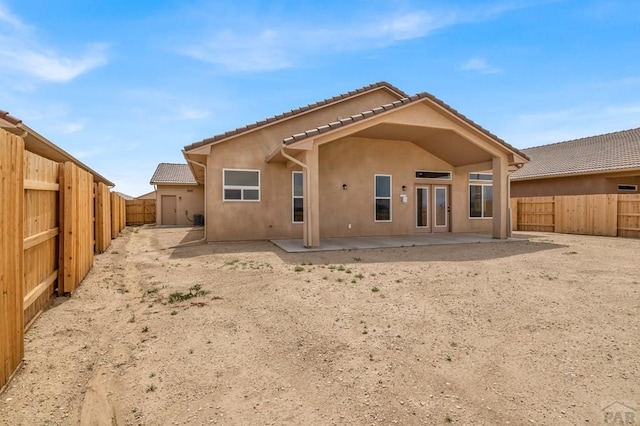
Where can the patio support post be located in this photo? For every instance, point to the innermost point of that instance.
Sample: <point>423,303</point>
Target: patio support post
<point>311,235</point>
<point>500,194</point>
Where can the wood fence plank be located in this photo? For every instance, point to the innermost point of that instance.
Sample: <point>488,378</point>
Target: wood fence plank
<point>11,260</point>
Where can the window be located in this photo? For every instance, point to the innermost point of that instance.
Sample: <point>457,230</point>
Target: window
<point>297,195</point>
<point>383,198</point>
<point>632,188</point>
<point>241,185</point>
<point>480,176</point>
<point>428,174</point>
<point>480,195</point>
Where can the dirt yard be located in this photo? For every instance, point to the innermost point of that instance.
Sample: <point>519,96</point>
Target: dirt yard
<point>538,332</point>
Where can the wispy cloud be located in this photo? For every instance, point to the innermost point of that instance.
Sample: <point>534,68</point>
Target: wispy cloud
<point>546,127</point>
<point>190,113</point>
<point>21,52</point>
<point>88,153</point>
<point>256,45</point>
<point>480,65</point>
<point>75,127</point>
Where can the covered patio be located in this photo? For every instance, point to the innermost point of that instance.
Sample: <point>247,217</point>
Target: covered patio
<point>438,131</point>
<point>388,241</point>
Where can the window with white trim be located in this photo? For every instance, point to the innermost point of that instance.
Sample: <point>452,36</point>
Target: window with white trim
<point>240,185</point>
<point>480,195</point>
<point>382,184</point>
<point>297,197</point>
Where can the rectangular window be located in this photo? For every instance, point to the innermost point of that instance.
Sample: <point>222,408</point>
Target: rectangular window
<point>241,185</point>
<point>480,176</point>
<point>383,198</point>
<point>428,174</point>
<point>480,201</point>
<point>297,195</point>
<point>630,188</point>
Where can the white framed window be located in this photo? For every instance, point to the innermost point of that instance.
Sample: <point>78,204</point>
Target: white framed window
<point>480,195</point>
<point>481,176</point>
<point>240,185</point>
<point>480,201</point>
<point>297,197</point>
<point>382,195</point>
<point>433,174</point>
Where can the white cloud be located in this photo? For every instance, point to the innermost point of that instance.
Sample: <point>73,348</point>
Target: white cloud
<point>190,113</point>
<point>87,153</point>
<point>23,54</point>
<point>528,130</point>
<point>480,65</point>
<point>255,46</point>
<point>68,128</point>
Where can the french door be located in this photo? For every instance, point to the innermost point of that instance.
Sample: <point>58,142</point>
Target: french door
<point>432,208</point>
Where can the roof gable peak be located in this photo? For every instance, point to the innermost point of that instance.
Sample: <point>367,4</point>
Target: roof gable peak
<point>298,111</point>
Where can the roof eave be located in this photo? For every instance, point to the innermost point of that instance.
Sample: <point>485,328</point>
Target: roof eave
<point>241,131</point>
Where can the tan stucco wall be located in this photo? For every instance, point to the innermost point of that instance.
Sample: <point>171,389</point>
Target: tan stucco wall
<point>355,162</point>
<point>149,196</point>
<point>571,185</point>
<point>351,161</point>
<point>189,198</point>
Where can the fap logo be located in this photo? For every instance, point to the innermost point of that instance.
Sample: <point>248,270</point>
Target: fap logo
<point>619,413</point>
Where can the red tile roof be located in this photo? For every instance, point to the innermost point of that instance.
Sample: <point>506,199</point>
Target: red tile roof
<point>602,153</point>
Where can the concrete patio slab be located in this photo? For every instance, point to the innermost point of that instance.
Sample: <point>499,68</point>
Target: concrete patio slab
<point>354,243</point>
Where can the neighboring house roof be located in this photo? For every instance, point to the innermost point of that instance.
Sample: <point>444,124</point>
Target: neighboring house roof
<point>383,108</point>
<point>149,195</point>
<point>295,112</point>
<point>40,145</point>
<point>173,174</point>
<point>124,196</point>
<point>603,153</point>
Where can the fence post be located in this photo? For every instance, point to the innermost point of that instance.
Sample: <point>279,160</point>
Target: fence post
<point>11,260</point>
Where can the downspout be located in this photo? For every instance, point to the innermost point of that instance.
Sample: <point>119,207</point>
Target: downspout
<point>307,222</point>
<point>204,167</point>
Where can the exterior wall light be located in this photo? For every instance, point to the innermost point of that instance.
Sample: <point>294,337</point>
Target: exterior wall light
<point>344,186</point>
<point>404,188</point>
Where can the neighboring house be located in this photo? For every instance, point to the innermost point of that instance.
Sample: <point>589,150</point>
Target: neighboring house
<point>603,164</point>
<point>124,196</point>
<point>148,196</point>
<point>179,198</point>
<point>373,161</point>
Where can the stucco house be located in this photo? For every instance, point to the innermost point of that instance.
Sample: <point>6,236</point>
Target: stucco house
<point>179,198</point>
<point>373,161</point>
<point>151,195</point>
<point>603,164</point>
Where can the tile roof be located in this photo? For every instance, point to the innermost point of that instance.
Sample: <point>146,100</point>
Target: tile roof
<point>383,108</point>
<point>608,152</point>
<point>173,174</point>
<point>4,115</point>
<point>295,112</point>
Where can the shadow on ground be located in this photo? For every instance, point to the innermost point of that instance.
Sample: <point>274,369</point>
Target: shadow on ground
<point>442,253</point>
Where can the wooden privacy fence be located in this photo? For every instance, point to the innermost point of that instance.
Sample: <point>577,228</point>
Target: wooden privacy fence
<point>118,215</point>
<point>53,218</point>
<point>11,262</point>
<point>141,212</point>
<point>601,214</point>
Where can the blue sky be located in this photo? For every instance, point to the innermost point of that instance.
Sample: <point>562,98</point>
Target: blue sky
<point>124,86</point>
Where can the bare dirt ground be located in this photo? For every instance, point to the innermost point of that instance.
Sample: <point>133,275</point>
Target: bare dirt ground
<point>538,332</point>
